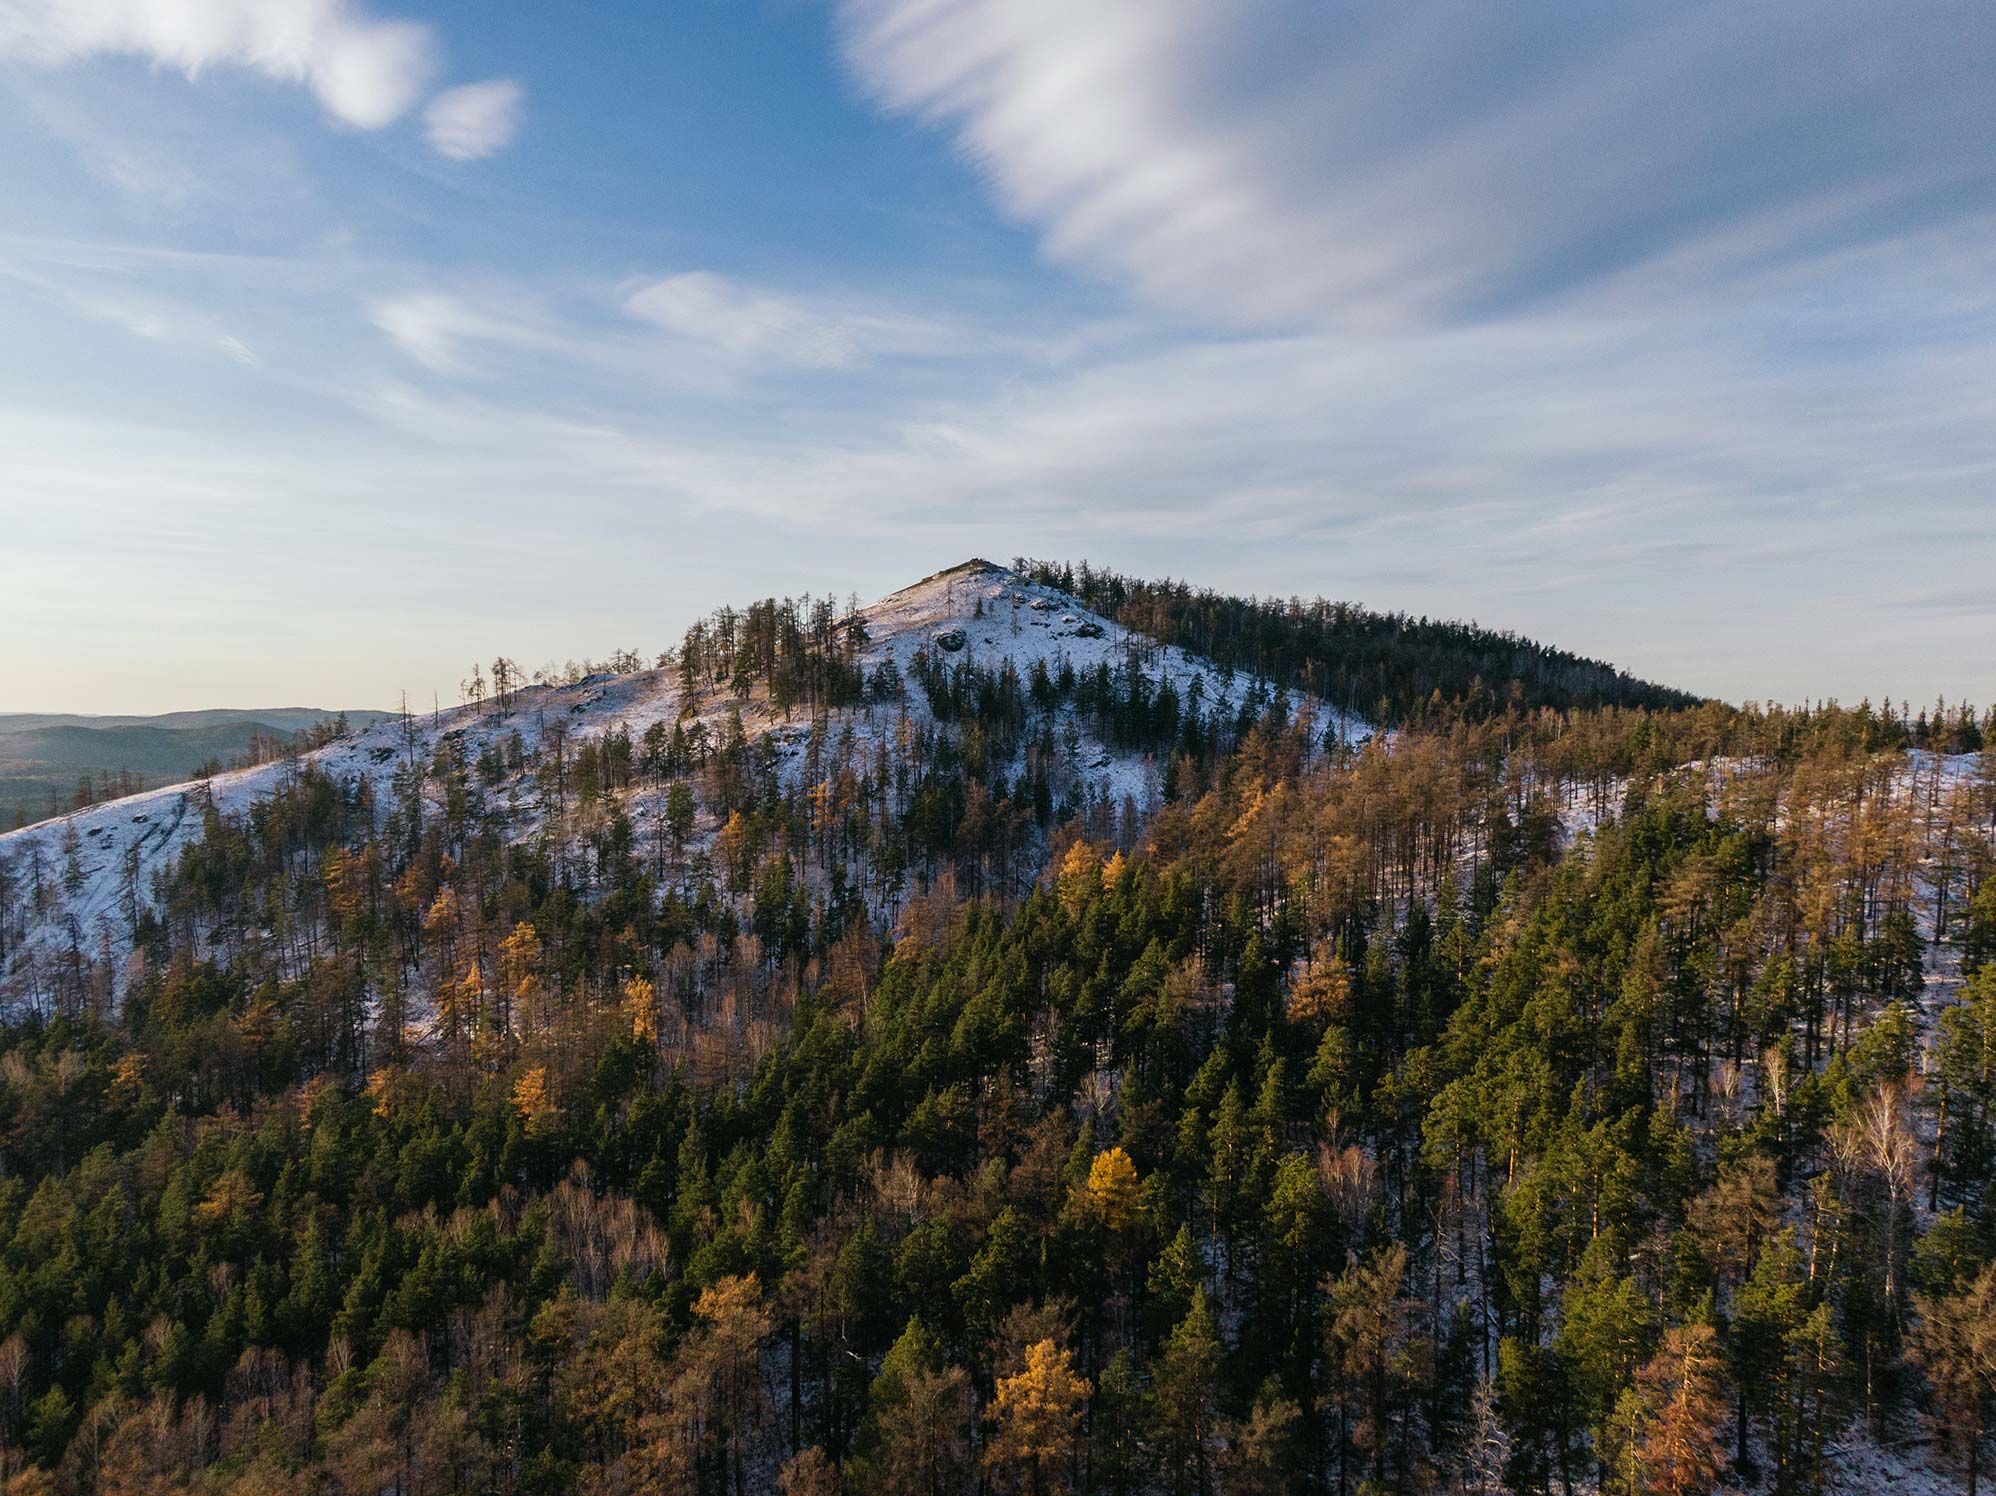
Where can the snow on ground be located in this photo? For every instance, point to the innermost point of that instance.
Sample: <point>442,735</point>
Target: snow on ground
<point>975,612</point>
<point>1855,1466</point>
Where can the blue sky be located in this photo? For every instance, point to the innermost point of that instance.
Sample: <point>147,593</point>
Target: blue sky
<point>343,344</point>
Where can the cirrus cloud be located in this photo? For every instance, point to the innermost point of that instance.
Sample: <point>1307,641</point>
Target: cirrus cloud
<point>758,326</point>
<point>1384,164</point>
<point>473,121</point>
<point>366,71</point>
<point>711,309</point>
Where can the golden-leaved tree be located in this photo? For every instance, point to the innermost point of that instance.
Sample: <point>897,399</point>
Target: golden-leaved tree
<point>1036,1421</point>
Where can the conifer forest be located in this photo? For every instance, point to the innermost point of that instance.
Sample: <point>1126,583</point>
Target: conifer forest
<point>1046,1032</point>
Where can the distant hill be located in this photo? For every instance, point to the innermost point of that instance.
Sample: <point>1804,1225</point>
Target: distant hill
<point>44,755</point>
<point>284,718</point>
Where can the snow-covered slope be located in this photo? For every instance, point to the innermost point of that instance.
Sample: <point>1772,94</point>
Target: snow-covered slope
<point>94,863</point>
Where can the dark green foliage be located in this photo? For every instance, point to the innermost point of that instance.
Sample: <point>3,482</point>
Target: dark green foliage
<point>1348,1121</point>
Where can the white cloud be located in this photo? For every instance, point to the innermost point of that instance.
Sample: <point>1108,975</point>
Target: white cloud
<point>474,333</point>
<point>474,121</point>
<point>1562,439</point>
<point>1495,371</point>
<point>433,328</point>
<point>752,326</point>
<point>98,284</point>
<point>366,71</point>
<point>1653,483</point>
<point>1383,163</point>
<point>1661,490</point>
<point>746,322</point>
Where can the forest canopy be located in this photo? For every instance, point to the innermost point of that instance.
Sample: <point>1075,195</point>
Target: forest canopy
<point>1588,1088</point>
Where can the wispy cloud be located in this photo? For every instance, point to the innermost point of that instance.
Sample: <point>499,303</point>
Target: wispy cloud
<point>473,121</point>
<point>1378,164</point>
<point>711,309</point>
<point>703,332</point>
<point>718,337</point>
<point>436,329</point>
<point>1557,437</point>
<point>1666,334</point>
<point>366,71</point>
<point>756,325</point>
<point>83,285</point>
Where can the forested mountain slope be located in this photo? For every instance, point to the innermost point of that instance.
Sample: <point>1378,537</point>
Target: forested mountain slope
<point>968,690</point>
<point>861,1053</point>
<point>1390,665</point>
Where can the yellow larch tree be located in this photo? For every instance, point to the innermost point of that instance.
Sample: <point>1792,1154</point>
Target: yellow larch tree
<point>1035,1421</point>
<point>1321,992</point>
<point>641,1009</point>
<point>534,1101</point>
<point>519,977</point>
<point>1080,874</point>
<point>1114,1196</point>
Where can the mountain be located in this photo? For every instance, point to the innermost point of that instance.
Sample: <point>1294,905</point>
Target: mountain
<point>44,755</point>
<point>970,629</point>
<point>978,1037</point>
<point>985,683</point>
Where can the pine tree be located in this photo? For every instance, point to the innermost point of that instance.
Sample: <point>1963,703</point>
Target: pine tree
<point>1378,1354</point>
<point>917,1436</point>
<point>1607,1330</point>
<point>1120,1427</point>
<point>1187,1398</point>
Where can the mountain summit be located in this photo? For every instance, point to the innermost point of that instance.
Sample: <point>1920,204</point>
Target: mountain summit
<point>800,691</point>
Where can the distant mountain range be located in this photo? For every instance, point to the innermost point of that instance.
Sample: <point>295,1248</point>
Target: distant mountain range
<point>44,755</point>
